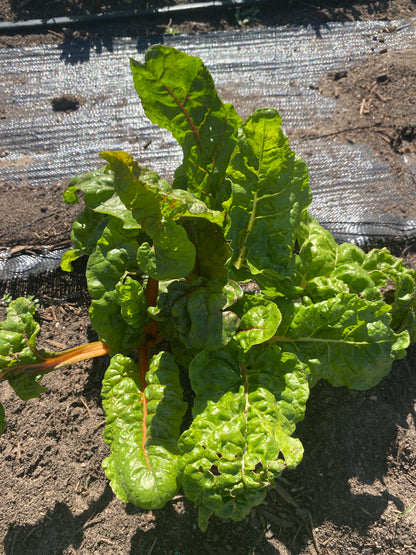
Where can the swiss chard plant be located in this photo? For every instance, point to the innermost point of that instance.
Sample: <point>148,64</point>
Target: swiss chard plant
<point>222,283</point>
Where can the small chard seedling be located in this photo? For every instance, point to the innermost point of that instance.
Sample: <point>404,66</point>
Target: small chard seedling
<point>167,272</point>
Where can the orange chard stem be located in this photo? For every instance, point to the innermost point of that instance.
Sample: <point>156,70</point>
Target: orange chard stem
<point>64,358</point>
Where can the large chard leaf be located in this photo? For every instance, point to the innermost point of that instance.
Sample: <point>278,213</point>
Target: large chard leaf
<point>346,340</point>
<point>239,442</point>
<point>143,417</point>
<point>177,93</point>
<point>270,194</point>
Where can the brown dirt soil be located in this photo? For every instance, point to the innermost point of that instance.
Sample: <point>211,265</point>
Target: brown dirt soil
<point>377,105</point>
<point>355,488</point>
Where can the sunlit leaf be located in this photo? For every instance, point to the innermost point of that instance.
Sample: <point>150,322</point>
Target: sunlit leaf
<point>143,417</point>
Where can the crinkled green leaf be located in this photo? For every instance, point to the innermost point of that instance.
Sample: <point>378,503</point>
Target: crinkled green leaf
<point>270,194</point>
<point>177,92</point>
<point>347,340</point>
<point>139,189</point>
<point>196,313</point>
<point>318,255</point>
<point>374,275</point>
<point>360,271</point>
<point>348,252</point>
<point>18,347</point>
<point>97,187</point>
<point>114,207</point>
<point>239,441</point>
<point>100,195</point>
<point>180,204</point>
<point>322,288</point>
<point>131,298</point>
<point>318,250</point>
<point>113,258</point>
<point>142,428</point>
<point>350,269</point>
<point>19,331</point>
<point>397,285</point>
<point>86,230</point>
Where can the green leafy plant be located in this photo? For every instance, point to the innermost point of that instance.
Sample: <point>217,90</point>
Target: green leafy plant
<point>247,16</point>
<point>6,299</point>
<point>222,283</point>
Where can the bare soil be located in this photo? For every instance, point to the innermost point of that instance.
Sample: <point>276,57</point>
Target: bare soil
<point>355,489</point>
<point>377,105</point>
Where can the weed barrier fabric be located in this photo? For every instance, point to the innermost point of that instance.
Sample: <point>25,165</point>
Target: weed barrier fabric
<point>274,67</point>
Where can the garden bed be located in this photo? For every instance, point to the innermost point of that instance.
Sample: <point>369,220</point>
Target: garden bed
<point>352,492</point>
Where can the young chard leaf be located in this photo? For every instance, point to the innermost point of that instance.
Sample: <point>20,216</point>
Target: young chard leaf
<point>327,269</point>
<point>318,250</point>
<point>178,94</point>
<point>259,322</point>
<point>212,250</point>
<point>143,417</point>
<point>270,194</point>
<point>196,314</point>
<point>18,349</point>
<point>171,255</point>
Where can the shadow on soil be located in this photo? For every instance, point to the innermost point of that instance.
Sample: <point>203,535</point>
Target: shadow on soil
<point>58,528</point>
